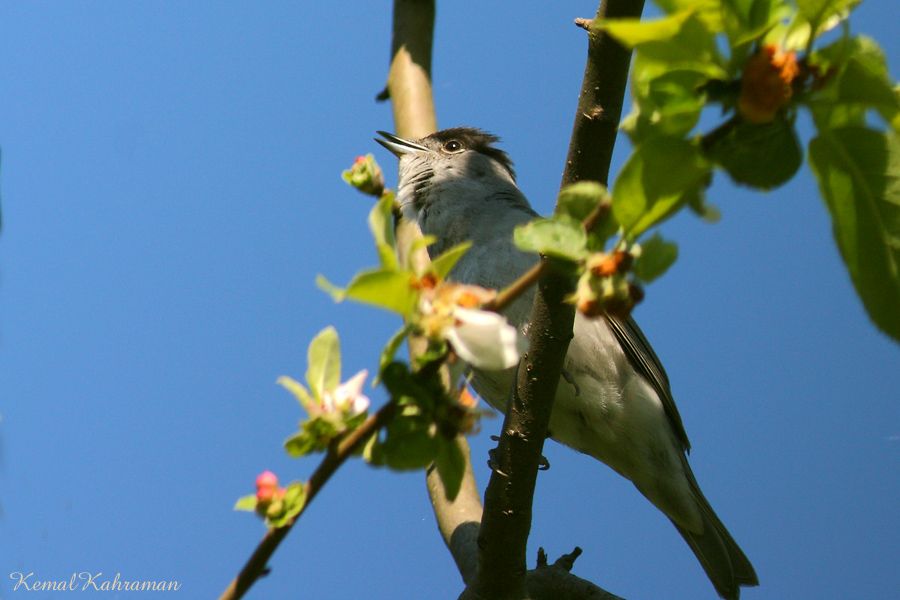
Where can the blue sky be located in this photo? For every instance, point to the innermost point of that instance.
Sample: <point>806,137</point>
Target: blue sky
<point>171,188</point>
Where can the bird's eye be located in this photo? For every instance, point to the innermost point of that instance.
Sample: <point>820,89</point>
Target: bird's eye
<point>453,146</point>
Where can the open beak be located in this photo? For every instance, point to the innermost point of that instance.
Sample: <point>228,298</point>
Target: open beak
<point>398,146</point>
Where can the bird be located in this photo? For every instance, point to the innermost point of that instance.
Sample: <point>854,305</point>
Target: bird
<point>614,402</point>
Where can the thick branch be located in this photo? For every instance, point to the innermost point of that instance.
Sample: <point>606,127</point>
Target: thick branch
<point>600,100</point>
<point>409,78</point>
<point>256,564</point>
<point>409,87</point>
<point>507,517</point>
<point>458,519</point>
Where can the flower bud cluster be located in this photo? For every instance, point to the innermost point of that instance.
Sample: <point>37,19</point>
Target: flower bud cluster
<point>605,286</point>
<point>365,175</point>
<point>269,496</point>
<point>767,83</point>
<point>451,312</point>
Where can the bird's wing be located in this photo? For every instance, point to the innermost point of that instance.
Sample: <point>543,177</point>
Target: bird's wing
<point>645,361</point>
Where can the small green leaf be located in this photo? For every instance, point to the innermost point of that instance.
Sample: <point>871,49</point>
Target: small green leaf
<point>384,288</point>
<point>300,444</point>
<point>862,79</point>
<point>703,209</point>
<point>451,466</point>
<point>409,444</point>
<point>858,171</point>
<point>323,372</point>
<point>657,255</point>
<point>669,104</point>
<point>299,392</point>
<point>443,264</point>
<point>314,436</point>
<point>631,32</point>
<point>559,237</point>
<point>336,293</point>
<point>822,15</point>
<point>294,500</point>
<point>762,156</point>
<point>246,503</point>
<point>381,224</point>
<point>691,48</point>
<point>371,451</point>
<point>660,176</point>
<point>579,199</point>
<point>390,349</point>
<point>421,242</point>
<point>746,20</point>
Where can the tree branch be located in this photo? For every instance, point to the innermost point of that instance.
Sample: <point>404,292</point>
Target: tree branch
<point>506,521</point>
<point>600,100</point>
<point>458,519</point>
<point>409,87</point>
<point>256,564</point>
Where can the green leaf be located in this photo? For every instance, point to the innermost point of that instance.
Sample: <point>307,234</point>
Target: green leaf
<point>657,255</point>
<point>323,371</point>
<point>421,242</point>
<point>692,48</point>
<point>314,436</point>
<point>300,444</point>
<point>822,15</point>
<point>660,176</point>
<point>294,500</point>
<point>247,503</point>
<point>559,237</point>
<point>381,224</point>
<point>336,293</point>
<point>632,32</point>
<point>390,349</point>
<point>858,171</point>
<point>862,80</point>
<point>669,104</point>
<point>451,466</point>
<point>409,444</point>
<point>699,206</point>
<point>578,200</point>
<point>443,264</point>
<point>747,20</point>
<point>762,156</point>
<point>299,392</point>
<point>385,288</point>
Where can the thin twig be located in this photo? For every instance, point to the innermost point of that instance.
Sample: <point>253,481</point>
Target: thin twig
<point>257,562</point>
<point>585,24</point>
<point>518,287</point>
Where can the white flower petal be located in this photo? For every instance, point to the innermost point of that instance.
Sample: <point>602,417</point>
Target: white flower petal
<point>348,396</point>
<point>484,339</point>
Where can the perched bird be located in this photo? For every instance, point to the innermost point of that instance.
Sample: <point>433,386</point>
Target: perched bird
<point>614,402</point>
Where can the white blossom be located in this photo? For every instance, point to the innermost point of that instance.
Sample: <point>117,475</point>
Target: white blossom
<point>347,397</point>
<point>484,339</point>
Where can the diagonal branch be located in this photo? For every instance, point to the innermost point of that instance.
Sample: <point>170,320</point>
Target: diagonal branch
<point>256,564</point>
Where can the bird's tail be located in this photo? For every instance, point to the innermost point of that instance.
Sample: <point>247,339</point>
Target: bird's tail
<point>726,565</point>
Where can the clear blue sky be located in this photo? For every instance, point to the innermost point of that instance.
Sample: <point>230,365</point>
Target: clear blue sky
<point>170,183</point>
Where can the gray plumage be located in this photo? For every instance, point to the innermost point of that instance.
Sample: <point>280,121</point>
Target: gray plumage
<point>618,406</point>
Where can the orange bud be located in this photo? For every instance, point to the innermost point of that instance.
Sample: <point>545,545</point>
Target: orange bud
<point>766,83</point>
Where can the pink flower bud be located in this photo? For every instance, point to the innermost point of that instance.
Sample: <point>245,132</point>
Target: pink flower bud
<point>266,486</point>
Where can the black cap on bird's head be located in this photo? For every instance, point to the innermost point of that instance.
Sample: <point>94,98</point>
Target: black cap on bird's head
<point>450,141</point>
